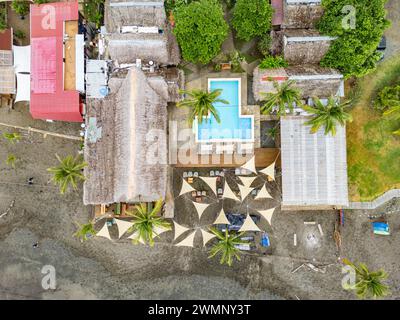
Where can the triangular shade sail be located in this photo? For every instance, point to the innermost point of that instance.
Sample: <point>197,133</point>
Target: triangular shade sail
<point>221,219</point>
<point>104,232</point>
<point>186,187</point>
<point>200,207</point>
<point>244,191</point>
<point>267,214</point>
<point>228,193</point>
<point>179,230</point>
<point>207,236</point>
<point>247,181</point>
<point>135,235</point>
<point>249,225</point>
<point>269,171</point>
<point>250,165</point>
<point>188,241</point>
<point>211,182</point>
<point>159,230</point>
<point>263,193</point>
<point>123,226</point>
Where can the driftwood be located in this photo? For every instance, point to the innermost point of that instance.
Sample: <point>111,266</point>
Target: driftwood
<point>8,209</point>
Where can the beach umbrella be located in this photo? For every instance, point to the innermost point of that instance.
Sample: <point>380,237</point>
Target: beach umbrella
<point>207,236</point>
<point>269,171</point>
<point>123,226</point>
<point>186,187</point>
<point>221,219</point>
<point>250,165</point>
<point>104,232</point>
<point>200,207</point>
<point>228,193</point>
<point>211,182</point>
<point>249,225</point>
<point>263,193</point>
<point>187,242</point>
<point>267,214</point>
<point>179,230</point>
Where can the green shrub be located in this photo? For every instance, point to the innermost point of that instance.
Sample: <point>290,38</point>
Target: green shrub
<point>272,62</point>
<point>354,51</point>
<point>172,5</point>
<point>20,7</point>
<point>236,58</point>
<point>3,17</point>
<point>93,11</point>
<point>251,18</point>
<point>20,34</point>
<point>387,98</point>
<point>264,44</point>
<point>200,29</point>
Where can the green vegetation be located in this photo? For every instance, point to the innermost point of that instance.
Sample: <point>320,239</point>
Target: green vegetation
<point>264,45</point>
<point>68,172</point>
<point>388,101</point>
<point>329,116</point>
<point>354,51</point>
<point>236,58</point>
<point>11,159</point>
<point>20,7</point>
<point>19,34</point>
<point>201,104</point>
<point>172,5</point>
<point>84,230</point>
<point>41,1</point>
<point>285,96</point>
<point>226,246</point>
<point>368,284</point>
<point>372,150</point>
<point>251,18</point>
<point>200,29</point>
<point>271,62</point>
<point>93,11</point>
<point>146,221</point>
<point>3,16</point>
<point>12,137</point>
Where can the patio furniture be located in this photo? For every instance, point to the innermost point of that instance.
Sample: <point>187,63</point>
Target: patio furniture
<point>245,148</point>
<point>265,240</point>
<point>185,174</point>
<point>194,193</point>
<point>226,66</point>
<point>243,247</point>
<point>195,174</point>
<point>212,174</point>
<point>237,171</point>
<point>204,193</point>
<point>199,193</point>
<point>190,180</point>
<point>219,191</point>
<point>205,148</point>
<point>190,174</point>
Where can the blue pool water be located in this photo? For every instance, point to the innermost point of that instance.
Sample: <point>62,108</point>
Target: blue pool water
<point>232,125</point>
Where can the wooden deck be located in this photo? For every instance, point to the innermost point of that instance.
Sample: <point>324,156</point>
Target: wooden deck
<point>264,157</point>
<point>71,29</point>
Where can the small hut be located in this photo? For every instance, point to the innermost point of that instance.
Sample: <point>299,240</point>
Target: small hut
<point>126,142</point>
<point>302,14</point>
<point>312,80</point>
<point>314,167</point>
<point>7,73</point>
<point>304,46</point>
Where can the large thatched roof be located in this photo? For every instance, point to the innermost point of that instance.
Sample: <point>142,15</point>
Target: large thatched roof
<point>314,166</point>
<point>127,47</point>
<point>300,14</point>
<point>312,80</point>
<point>305,46</point>
<point>146,13</point>
<point>127,162</point>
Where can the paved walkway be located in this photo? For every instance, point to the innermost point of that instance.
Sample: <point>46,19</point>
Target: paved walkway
<point>389,195</point>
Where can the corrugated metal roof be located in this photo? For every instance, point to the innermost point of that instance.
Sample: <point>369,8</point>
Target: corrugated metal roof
<point>314,166</point>
<point>49,100</point>
<point>7,80</point>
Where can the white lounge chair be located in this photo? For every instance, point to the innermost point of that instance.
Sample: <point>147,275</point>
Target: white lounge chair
<point>245,148</point>
<point>205,148</point>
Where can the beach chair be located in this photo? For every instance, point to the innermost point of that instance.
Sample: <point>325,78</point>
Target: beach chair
<point>205,148</point>
<point>212,174</point>
<point>245,148</point>
<point>185,175</point>
<point>195,174</point>
<point>190,174</point>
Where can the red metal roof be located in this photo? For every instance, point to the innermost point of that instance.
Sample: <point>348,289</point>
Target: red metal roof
<point>277,17</point>
<point>6,39</point>
<point>49,100</point>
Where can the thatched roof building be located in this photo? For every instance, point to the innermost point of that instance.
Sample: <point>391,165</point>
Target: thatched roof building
<point>160,47</point>
<point>305,46</point>
<point>126,142</point>
<point>312,80</point>
<point>302,14</point>
<point>314,166</point>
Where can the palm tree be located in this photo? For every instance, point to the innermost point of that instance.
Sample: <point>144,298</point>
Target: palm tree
<point>68,172</point>
<point>286,96</point>
<point>11,159</point>
<point>368,283</point>
<point>328,116</point>
<point>12,137</point>
<point>146,220</point>
<point>201,104</point>
<point>226,246</point>
<point>84,230</point>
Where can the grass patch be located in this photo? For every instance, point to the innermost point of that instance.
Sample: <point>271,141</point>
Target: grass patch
<point>373,151</point>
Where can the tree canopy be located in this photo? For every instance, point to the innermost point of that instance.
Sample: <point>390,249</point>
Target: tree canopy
<point>359,26</point>
<point>200,29</point>
<point>251,18</point>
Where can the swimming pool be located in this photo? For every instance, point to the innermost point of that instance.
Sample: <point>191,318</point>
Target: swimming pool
<point>233,126</point>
